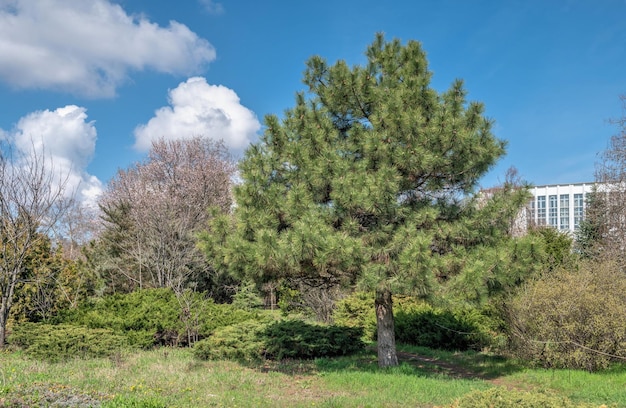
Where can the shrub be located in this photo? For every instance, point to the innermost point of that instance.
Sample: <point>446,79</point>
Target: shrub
<point>64,342</point>
<point>424,325</point>
<point>252,340</point>
<point>241,342</point>
<point>501,398</point>
<point>357,310</point>
<point>156,316</point>
<point>297,339</point>
<point>571,318</point>
<point>421,324</point>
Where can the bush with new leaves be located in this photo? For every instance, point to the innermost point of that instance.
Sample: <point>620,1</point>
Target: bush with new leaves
<point>572,318</point>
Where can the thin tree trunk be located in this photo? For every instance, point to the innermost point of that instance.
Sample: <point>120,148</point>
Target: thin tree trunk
<point>3,327</point>
<point>387,356</point>
<point>5,307</point>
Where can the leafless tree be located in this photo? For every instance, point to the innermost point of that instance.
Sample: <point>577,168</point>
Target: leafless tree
<point>31,202</point>
<point>611,193</point>
<point>157,206</point>
<point>76,228</point>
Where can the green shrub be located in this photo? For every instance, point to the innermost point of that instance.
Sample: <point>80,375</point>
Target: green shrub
<point>502,398</point>
<point>241,342</point>
<point>252,340</point>
<point>156,316</point>
<point>357,310</point>
<point>297,339</point>
<point>64,342</point>
<point>421,324</point>
<point>571,318</point>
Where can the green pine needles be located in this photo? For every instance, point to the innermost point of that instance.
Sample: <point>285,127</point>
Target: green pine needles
<point>351,185</point>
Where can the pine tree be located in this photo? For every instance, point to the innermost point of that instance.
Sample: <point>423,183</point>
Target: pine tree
<point>359,181</point>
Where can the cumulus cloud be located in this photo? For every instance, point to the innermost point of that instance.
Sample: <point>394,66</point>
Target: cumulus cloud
<point>88,47</point>
<point>197,108</point>
<point>68,140</point>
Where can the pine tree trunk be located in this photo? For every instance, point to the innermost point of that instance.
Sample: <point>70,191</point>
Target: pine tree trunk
<point>387,356</point>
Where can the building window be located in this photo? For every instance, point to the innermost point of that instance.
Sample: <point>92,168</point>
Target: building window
<point>578,209</point>
<point>564,211</point>
<point>553,214</point>
<point>541,210</point>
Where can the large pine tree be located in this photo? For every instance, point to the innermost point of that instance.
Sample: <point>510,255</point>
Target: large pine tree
<point>356,180</point>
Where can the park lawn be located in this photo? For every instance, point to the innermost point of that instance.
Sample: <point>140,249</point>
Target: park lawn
<point>174,378</point>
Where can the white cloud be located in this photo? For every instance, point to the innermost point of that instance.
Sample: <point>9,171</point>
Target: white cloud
<point>200,109</point>
<point>68,140</point>
<point>212,7</point>
<point>89,47</point>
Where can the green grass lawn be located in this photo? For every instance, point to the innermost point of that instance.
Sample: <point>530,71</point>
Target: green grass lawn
<point>173,378</point>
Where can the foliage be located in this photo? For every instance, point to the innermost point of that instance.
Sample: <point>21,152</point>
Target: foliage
<point>63,342</point>
<point>32,201</point>
<point>588,236</point>
<point>241,342</point>
<point>357,310</point>
<point>489,273</point>
<point>426,326</point>
<point>607,212</point>
<point>572,318</point>
<point>557,247</point>
<point>153,211</point>
<point>418,323</point>
<point>369,178</point>
<point>298,339</point>
<point>499,397</point>
<point>247,297</point>
<point>285,339</point>
<point>51,283</point>
<point>314,302</point>
<point>154,316</point>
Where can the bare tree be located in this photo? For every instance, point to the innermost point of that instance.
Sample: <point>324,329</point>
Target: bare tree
<point>76,228</point>
<point>154,209</point>
<point>610,196</point>
<point>31,202</point>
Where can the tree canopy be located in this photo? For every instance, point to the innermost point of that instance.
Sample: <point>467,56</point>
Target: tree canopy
<point>368,179</point>
<point>153,209</point>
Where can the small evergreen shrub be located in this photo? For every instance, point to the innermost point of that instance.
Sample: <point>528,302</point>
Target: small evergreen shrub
<point>252,341</point>
<point>424,325</point>
<point>241,342</point>
<point>420,324</point>
<point>152,317</point>
<point>64,342</point>
<point>301,340</point>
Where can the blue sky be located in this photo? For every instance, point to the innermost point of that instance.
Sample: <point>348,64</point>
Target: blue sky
<point>97,80</point>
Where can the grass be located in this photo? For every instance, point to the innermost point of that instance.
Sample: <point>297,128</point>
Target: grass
<point>173,378</point>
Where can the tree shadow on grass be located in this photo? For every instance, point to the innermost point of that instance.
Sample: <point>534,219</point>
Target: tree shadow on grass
<point>420,362</point>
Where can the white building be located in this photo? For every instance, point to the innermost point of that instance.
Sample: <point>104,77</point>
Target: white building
<point>561,206</point>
